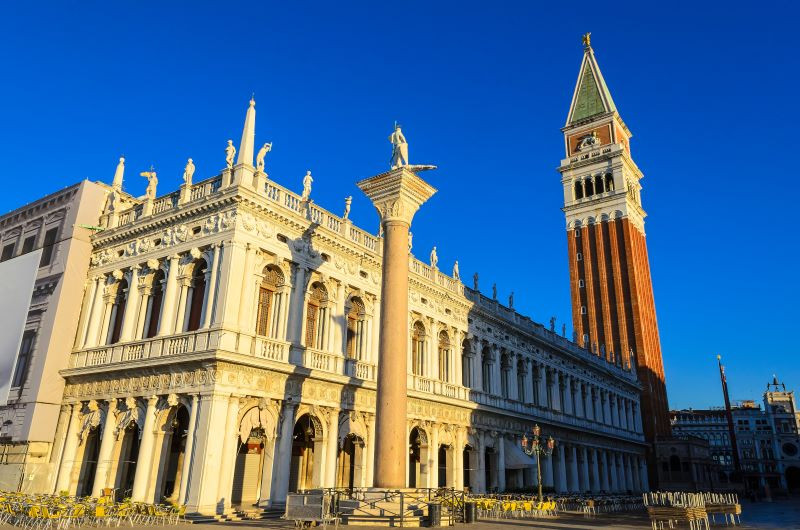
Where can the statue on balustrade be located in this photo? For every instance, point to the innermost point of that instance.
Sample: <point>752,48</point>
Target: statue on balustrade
<point>152,182</point>
<point>434,258</point>
<point>399,148</point>
<point>494,291</point>
<point>188,172</point>
<point>230,152</point>
<point>347,202</point>
<point>266,148</point>
<point>475,281</point>
<point>456,273</point>
<point>307,180</point>
<point>511,300</point>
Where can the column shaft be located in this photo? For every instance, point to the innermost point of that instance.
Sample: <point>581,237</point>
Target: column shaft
<point>106,450</point>
<point>145,460</point>
<point>167,324</point>
<point>188,453</point>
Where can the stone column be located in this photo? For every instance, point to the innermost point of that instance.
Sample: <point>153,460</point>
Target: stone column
<point>280,479</point>
<point>296,308</point>
<point>167,324</point>
<point>620,472</point>
<point>246,318</point>
<point>183,299</point>
<point>595,471</point>
<point>96,315</point>
<point>562,470</point>
<point>204,477</point>
<point>433,457</point>
<point>144,461</point>
<point>628,472</point>
<point>369,468</point>
<point>230,443</point>
<point>643,474</point>
<point>332,449</point>
<point>211,289</point>
<point>106,450</point>
<point>575,484</point>
<point>130,316</point>
<point>548,478</point>
<point>612,468</point>
<point>397,195</point>
<point>70,449</point>
<point>88,299</point>
<point>501,463</point>
<point>587,485</point>
<point>188,453</point>
<point>569,404</point>
<point>605,485</point>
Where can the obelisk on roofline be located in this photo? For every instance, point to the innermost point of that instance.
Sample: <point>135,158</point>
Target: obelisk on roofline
<point>243,171</point>
<point>397,195</point>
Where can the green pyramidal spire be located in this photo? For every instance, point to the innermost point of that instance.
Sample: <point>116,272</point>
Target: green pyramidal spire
<point>592,96</point>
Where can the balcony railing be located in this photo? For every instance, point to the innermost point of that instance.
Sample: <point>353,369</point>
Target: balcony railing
<point>156,347</point>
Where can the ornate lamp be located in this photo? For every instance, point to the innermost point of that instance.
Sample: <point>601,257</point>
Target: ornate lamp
<point>532,447</point>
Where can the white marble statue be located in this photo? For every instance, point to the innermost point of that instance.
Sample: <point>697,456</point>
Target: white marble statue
<point>347,202</point>
<point>399,148</point>
<point>261,154</point>
<point>118,174</point>
<point>152,182</point>
<point>188,172</point>
<point>230,152</point>
<point>434,258</point>
<point>456,273</point>
<point>410,242</point>
<point>307,180</point>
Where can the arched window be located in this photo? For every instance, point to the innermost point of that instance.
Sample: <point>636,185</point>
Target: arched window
<point>578,190</point>
<point>316,311</point>
<point>522,371</point>
<point>418,349</point>
<point>118,311</point>
<point>466,364</point>
<point>486,369</point>
<point>266,323</point>
<point>444,356</point>
<point>198,292</point>
<point>355,329</point>
<point>589,187</point>
<point>505,369</point>
<point>609,182</point>
<point>154,304</point>
<point>535,394</point>
<point>599,185</point>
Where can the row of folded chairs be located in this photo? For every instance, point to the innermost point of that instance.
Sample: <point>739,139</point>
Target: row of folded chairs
<point>491,508</point>
<point>62,512</point>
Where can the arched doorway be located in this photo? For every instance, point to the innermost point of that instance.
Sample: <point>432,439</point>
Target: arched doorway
<point>488,464</point>
<point>247,474</point>
<point>793,478</point>
<point>467,466</point>
<point>128,456</point>
<point>443,467</point>
<point>91,450</point>
<point>177,428</point>
<point>417,458</point>
<point>349,471</point>
<point>304,472</point>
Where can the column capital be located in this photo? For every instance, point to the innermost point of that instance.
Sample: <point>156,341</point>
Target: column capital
<point>397,194</point>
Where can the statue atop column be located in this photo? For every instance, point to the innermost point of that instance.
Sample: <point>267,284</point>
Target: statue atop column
<point>118,174</point>
<point>434,258</point>
<point>347,202</point>
<point>152,182</point>
<point>456,273</point>
<point>399,148</point>
<point>266,148</point>
<point>230,152</point>
<point>307,180</point>
<point>188,172</point>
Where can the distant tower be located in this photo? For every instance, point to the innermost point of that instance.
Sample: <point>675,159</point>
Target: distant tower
<point>729,415</point>
<point>613,312</point>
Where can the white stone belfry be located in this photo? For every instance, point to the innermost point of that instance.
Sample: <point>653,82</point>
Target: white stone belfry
<point>248,143</point>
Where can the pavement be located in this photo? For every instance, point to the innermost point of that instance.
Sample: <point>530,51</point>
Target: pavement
<point>779,515</point>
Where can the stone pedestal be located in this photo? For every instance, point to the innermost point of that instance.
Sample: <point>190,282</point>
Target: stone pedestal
<point>397,194</point>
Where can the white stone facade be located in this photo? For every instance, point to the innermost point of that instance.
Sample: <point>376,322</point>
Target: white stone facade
<point>226,354</point>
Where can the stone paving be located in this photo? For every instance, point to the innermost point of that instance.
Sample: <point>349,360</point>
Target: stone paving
<point>783,515</point>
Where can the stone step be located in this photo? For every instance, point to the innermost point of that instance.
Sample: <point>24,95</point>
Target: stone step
<point>392,521</point>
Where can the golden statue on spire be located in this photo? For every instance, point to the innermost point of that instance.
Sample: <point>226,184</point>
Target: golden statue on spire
<point>587,40</point>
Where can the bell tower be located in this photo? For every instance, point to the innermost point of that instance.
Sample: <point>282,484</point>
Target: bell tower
<point>613,312</point>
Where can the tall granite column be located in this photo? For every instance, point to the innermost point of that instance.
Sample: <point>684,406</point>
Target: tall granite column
<point>397,194</point>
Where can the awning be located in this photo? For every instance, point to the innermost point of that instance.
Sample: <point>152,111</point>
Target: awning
<point>515,457</point>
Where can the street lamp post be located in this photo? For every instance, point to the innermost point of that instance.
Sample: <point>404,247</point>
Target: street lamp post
<point>533,446</point>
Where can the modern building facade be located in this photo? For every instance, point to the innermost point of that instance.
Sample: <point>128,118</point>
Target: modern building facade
<point>767,440</point>
<point>613,310</point>
<point>226,354</point>
<point>50,236</point>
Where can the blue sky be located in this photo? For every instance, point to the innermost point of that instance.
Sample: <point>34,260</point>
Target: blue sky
<point>482,90</point>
